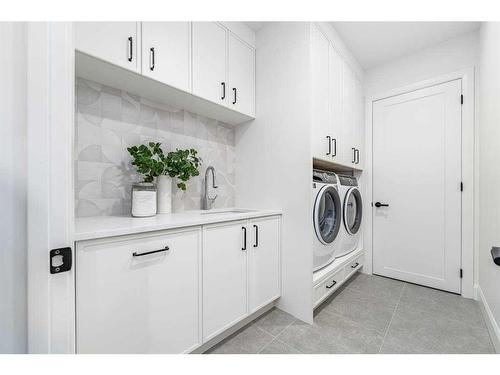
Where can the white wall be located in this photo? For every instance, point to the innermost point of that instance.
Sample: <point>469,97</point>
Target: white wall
<point>13,188</point>
<point>489,173</point>
<point>449,56</point>
<point>273,168</point>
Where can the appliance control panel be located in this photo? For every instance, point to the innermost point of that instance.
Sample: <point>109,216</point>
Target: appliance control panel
<point>324,176</point>
<point>348,180</point>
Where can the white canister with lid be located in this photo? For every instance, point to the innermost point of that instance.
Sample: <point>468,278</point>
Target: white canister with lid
<point>143,199</point>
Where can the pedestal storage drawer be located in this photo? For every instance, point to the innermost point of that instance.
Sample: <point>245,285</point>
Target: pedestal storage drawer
<point>139,293</point>
<point>328,286</point>
<point>354,266</point>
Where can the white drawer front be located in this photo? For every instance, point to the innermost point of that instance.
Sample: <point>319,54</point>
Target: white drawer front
<point>354,266</point>
<point>143,303</point>
<point>327,287</point>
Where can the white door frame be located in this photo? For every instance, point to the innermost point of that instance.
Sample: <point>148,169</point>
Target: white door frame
<point>50,123</point>
<point>469,198</point>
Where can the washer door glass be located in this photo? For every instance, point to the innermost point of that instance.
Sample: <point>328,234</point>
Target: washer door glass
<point>327,215</point>
<point>353,211</point>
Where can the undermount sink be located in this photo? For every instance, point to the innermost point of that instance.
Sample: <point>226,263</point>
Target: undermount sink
<point>228,211</point>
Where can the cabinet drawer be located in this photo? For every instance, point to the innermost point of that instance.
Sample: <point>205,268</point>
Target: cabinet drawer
<point>354,266</point>
<point>139,294</point>
<point>328,286</point>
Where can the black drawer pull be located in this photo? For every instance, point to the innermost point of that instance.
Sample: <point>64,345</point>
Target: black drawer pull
<point>136,254</point>
<point>244,238</point>
<point>331,285</point>
<point>355,265</point>
<point>130,49</point>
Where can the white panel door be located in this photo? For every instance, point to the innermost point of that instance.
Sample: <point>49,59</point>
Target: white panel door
<point>224,276</point>
<point>321,137</point>
<point>335,100</point>
<point>417,172</point>
<point>166,52</point>
<point>209,62</point>
<point>263,262</point>
<point>241,78</point>
<point>115,42</point>
<point>130,303</point>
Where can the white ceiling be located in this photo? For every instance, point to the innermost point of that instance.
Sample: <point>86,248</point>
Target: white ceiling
<point>373,43</point>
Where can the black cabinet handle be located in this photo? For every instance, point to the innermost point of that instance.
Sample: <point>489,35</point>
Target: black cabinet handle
<point>329,144</point>
<point>331,285</point>
<point>334,147</point>
<point>244,238</point>
<point>378,204</point>
<point>234,92</point>
<point>130,48</point>
<point>152,58</point>
<point>256,244</point>
<point>223,90</point>
<point>355,265</point>
<point>353,155</point>
<point>356,155</point>
<point>136,254</point>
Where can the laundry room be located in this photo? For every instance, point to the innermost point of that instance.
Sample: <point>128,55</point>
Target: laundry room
<point>260,185</point>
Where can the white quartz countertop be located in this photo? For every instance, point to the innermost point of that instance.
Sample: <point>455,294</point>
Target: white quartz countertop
<point>87,228</point>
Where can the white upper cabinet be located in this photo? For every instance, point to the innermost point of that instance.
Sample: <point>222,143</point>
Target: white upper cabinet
<point>114,42</point>
<point>166,48</point>
<point>336,102</point>
<point>209,62</point>
<point>337,105</point>
<point>321,139</point>
<point>241,78</point>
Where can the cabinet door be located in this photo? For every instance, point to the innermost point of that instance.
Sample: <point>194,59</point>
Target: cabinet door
<point>241,78</point>
<point>166,52</point>
<point>321,137</point>
<point>264,262</point>
<point>224,276</point>
<point>348,128</point>
<point>209,62</point>
<point>114,42</point>
<point>139,304</point>
<point>336,101</point>
<point>359,116</point>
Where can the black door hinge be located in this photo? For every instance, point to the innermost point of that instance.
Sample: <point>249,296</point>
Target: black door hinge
<point>60,260</point>
<point>461,99</point>
<point>461,186</point>
<point>461,273</point>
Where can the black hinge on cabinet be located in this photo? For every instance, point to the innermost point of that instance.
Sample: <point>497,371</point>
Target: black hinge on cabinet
<point>461,186</point>
<point>60,260</point>
<point>461,99</point>
<point>461,273</point>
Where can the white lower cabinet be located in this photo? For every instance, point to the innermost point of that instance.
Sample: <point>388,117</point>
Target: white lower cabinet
<point>129,301</point>
<point>172,291</point>
<point>264,281</point>
<point>224,276</point>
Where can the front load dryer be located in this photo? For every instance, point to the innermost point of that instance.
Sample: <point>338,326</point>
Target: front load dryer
<point>352,208</point>
<point>327,217</point>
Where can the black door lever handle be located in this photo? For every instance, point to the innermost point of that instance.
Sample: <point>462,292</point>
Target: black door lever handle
<point>378,204</point>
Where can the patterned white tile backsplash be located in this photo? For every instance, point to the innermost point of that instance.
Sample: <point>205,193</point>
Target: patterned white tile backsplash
<point>110,120</point>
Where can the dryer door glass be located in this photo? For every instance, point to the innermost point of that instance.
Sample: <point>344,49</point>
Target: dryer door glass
<point>327,214</point>
<point>353,211</point>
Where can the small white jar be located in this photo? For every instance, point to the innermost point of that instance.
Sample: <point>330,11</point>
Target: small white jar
<point>143,199</point>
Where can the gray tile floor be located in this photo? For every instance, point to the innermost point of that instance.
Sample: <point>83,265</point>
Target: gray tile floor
<point>371,314</point>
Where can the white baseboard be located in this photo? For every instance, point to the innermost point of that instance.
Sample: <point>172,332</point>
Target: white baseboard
<point>491,323</point>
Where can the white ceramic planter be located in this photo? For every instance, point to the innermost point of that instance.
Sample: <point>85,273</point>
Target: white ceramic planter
<point>164,194</point>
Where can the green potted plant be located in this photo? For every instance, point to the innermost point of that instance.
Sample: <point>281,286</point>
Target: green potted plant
<point>180,164</point>
<point>153,164</point>
<point>147,161</point>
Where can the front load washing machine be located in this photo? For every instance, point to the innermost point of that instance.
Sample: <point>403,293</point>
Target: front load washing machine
<point>352,208</point>
<point>327,217</point>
